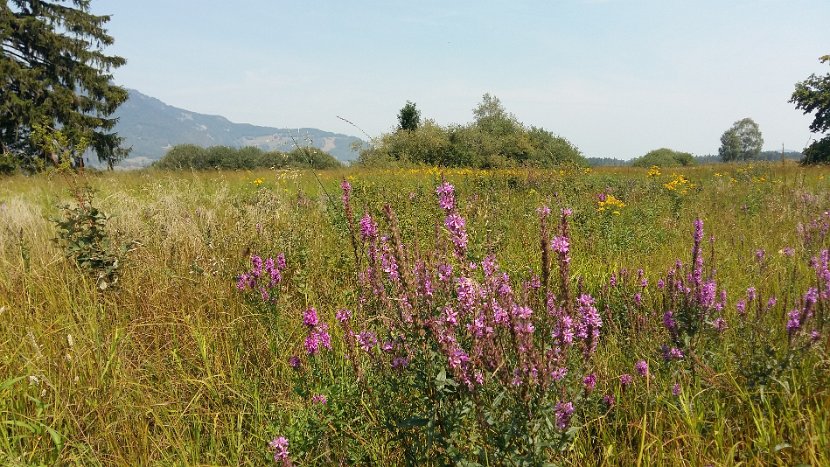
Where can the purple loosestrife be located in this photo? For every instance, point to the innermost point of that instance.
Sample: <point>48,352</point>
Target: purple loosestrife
<point>368,228</point>
<point>367,340</point>
<point>676,390</point>
<point>589,324</point>
<point>590,382</point>
<point>642,368</point>
<point>446,196</point>
<point>320,399</point>
<point>280,447</point>
<point>697,259</point>
<point>310,318</point>
<point>626,380</point>
<point>564,411</point>
<point>544,213</point>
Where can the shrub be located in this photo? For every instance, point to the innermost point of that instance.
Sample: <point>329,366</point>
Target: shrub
<point>664,157</point>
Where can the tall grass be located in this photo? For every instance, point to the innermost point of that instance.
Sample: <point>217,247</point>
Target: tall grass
<point>176,366</point>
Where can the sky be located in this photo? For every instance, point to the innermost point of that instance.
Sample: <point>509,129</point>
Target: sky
<point>617,78</point>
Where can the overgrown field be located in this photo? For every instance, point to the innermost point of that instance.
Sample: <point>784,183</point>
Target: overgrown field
<point>513,317</point>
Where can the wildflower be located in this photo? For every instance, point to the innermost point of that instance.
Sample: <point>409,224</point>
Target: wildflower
<point>590,382</point>
<point>367,340</point>
<point>741,306</point>
<point>343,315</point>
<point>280,447</point>
<point>642,368</point>
<point>399,363</point>
<point>793,321</point>
<point>787,251</point>
<point>653,171</point>
<point>608,400</point>
<point>444,272</point>
<point>759,255</point>
<point>294,362</point>
<point>675,390</point>
<point>567,212</point>
<point>559,374</point>
<point>672,353</point>
<point>310,318</point>
<point>559,244</point>
<point>446,196</point>
<point>719,324</point>
<point>564,412</point>
<point>751,294</point>
<point>319,399</point>
<point>625,380</point>
<point>368,227</point>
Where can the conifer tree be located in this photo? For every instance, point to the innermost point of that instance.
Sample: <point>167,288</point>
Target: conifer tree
<point>54,75</point>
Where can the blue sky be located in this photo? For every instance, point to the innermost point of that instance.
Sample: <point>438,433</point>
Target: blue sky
<point>616,77</point>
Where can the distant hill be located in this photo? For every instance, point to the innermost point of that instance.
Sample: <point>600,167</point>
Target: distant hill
<point>151,127</point>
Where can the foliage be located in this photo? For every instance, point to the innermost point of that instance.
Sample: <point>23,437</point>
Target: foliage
<point>664,157</point>
<point>494,139</point>
<point>56,75</point>
<point>813,95</point>
<point>190,156</point>
<point>409,118</point>
<point>82,231</point>
<point>741,142</point>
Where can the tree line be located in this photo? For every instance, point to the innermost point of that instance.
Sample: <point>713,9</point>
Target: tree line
<point>192,157</point>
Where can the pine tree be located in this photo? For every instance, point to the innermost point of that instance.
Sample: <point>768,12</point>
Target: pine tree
<point>56,76</point>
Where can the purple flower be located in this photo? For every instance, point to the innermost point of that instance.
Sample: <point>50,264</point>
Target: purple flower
<point>751,294</point>
<point>719,324</point>
<point>590,382</point>
<point>560,244</point>
<point>626,380</point>
<point>564,412</point>
<point>661,284</point>
<point>256,263</point>
<point>367,340</point>
<point>368,227</point>
<point>759,255</point>
<point>672,353</point>
<point>741,306</point>
<point>294,362</point>
<point>793,321</point>
<point>310,318</point>
<point>281,261</point>
<point>543,211</point>
<point>343,315</point>
<point>312,344</point>
<point>608,400</point>
<point>444,272</point>
<point>319,399</point>
<point>399,363</point>
<point>243,281</point>
<point>788,251</point>
<point>642,368</point>
<point>446,196</point>
<point>675,390</point>
<point>567,212</point>
<point>559,374</point>
<point>280,447</point>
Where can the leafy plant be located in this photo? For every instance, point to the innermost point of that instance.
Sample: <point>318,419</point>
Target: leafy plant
<point>82,231</point>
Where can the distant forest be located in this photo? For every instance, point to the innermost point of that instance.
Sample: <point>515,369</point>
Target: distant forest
<point>707,159</point>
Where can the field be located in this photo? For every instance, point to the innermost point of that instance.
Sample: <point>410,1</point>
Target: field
<point>609,351</point>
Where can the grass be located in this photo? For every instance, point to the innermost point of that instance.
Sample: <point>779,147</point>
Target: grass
<point>176,366</point>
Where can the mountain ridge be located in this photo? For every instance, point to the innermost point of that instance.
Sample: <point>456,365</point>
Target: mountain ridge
<point>151,127</point>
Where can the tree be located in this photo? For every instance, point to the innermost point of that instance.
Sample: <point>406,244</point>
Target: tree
<point>664,157</point>
<point>742,142</point>
<point>57,77</point>
<point>409,118</point>
<point>813,95</point>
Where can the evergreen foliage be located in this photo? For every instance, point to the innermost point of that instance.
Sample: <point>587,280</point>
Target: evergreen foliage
<point>56,76</point>
<point>409,118</point>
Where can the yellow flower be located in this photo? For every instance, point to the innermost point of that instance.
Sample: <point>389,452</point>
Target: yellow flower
<point>653,171</point>
<point>611,202</point>
<point>258,182</point>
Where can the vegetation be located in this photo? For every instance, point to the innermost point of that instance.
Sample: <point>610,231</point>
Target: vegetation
<point>56,78</point>
<point>664,157</point>
<point>669,317</point>
<point>813,95</point>
<point>741,142</point>
<point>409,118</point>
<point>494,139</point>
<point>192,157</point>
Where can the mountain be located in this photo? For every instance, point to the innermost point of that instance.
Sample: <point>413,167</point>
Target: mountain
<point>151,127</point>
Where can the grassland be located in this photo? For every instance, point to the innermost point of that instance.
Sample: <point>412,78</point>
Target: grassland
<point>175,365</point>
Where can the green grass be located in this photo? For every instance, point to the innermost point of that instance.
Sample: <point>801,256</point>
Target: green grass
<point>176,366</point>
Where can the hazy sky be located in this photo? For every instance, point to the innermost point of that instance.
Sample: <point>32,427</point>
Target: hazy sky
<point>616,77</point>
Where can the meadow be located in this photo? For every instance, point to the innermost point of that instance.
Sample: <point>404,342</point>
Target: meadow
<point>615,316</point>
